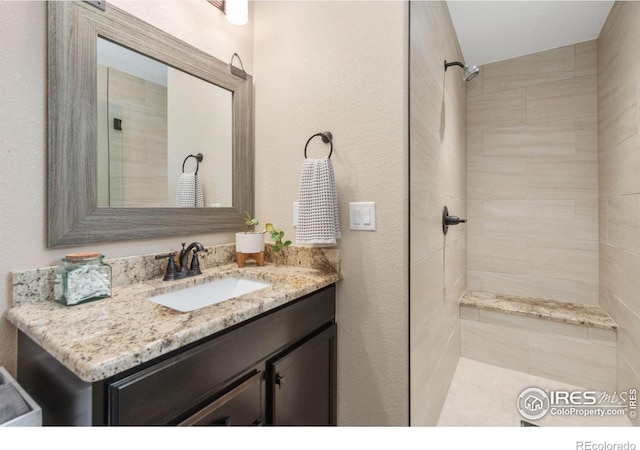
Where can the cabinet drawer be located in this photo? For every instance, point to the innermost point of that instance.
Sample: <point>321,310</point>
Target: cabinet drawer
<point>241,406</point>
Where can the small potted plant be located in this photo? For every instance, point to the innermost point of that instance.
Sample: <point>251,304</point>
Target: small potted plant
<point>250,240</point>
<point>250,243</point>
<point>278,244</point>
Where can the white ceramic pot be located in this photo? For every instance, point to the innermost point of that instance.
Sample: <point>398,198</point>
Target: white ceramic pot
<point>249,242</point>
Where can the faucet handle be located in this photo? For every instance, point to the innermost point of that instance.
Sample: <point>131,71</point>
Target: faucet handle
<point>170,273</point>
<point>194,268</point>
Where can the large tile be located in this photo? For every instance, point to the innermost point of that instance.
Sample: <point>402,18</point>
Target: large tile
<point>529,218</point>
<point>485,395</point>
<point>493,344</point>
<point>475,218</point>
<point>572,361</point>
<point>602,337</point>
<point>510,284</point>
<point>586,227</point>
<point>623,222</point>
<point>427,288</point>
<point>475,145</point>
<point>431,343</point>
<point>424,158</point>
<point>562,180</point>
<point>425,225</point>
<point>616,268</point>
<point>567,260</point>
<point>476,396</point>
<point>533,324</point>
<point>537,68</point>
<point>455,270</point>
<point>494,254</point>
<point>627,379</point>
<point>536,287</point>
<point>602,219</point>
<point>571,291</point>
<point>426,409</point>
<point>497,181</point>
<point>557,100</point>
<point>475,280</point>
<point>586,58</point>
<point>497,109</point>
<point>628,332</point>
<point>551,139</point>
<point>619,169</point>
<point>617,111</point>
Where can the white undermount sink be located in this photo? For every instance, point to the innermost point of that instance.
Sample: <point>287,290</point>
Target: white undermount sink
<point>207,294</point>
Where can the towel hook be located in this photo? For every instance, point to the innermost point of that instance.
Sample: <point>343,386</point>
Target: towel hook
<point>199,157</point>
<point>327,138</point>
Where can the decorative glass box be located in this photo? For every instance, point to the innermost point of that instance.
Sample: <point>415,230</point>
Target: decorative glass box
<point>81,278</point>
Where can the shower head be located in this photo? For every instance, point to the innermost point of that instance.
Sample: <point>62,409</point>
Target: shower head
<point>469,72</point>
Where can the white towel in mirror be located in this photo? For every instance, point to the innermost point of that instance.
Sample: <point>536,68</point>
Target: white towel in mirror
<point>189,193</point>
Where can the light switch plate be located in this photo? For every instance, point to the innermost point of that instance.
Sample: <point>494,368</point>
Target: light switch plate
<point>362,216</point>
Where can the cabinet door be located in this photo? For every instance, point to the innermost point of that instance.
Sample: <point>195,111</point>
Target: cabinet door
<point>303,382</point>
<point>242,406</point>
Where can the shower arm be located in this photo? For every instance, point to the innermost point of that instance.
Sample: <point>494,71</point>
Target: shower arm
<point>455,63</point>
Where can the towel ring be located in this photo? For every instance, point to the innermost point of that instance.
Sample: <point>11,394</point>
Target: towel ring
<point>327,138</point>
<point>199,157</point>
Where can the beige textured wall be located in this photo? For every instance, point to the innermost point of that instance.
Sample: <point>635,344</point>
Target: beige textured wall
<point>342,67</point>
<point>438,178</point>
<point>23,135</point>
<point>619,170</point>
<point>533,176</point>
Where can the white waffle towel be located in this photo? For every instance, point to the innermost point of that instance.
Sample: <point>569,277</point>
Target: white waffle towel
<point>318,222</point>
<point>189,193</point>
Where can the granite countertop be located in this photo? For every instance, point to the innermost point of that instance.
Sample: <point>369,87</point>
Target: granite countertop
<point>102,338</point>
<point>556,311</point>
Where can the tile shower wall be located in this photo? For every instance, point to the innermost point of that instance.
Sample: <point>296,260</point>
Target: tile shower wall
<point>533,176</point>
<point>437,166</point>
<point>619,175</point>
<point>131,178</point>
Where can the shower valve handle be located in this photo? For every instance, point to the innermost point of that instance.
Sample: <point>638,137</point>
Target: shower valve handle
<point>450,220</point>
<point>455,220</point>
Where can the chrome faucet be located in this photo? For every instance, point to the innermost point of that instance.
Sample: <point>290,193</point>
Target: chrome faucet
<point>194,268</point>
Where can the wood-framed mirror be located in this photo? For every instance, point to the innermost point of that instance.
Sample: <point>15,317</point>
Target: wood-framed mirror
<point>75,216</point>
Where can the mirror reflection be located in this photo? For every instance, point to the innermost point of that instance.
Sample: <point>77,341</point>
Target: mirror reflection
<point>151,118</point>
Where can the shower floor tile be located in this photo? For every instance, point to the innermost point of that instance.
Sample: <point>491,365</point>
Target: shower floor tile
<point>482,395</point>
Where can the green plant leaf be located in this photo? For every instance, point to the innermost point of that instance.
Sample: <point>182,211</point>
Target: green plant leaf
<point>269,227</point>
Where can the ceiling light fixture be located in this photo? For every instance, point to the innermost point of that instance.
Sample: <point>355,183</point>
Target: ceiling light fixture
<point>237,11</point>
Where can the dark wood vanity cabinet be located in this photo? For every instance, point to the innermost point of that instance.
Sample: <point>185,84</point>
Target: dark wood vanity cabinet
<point>298,380</point>
<point>276,369</point>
